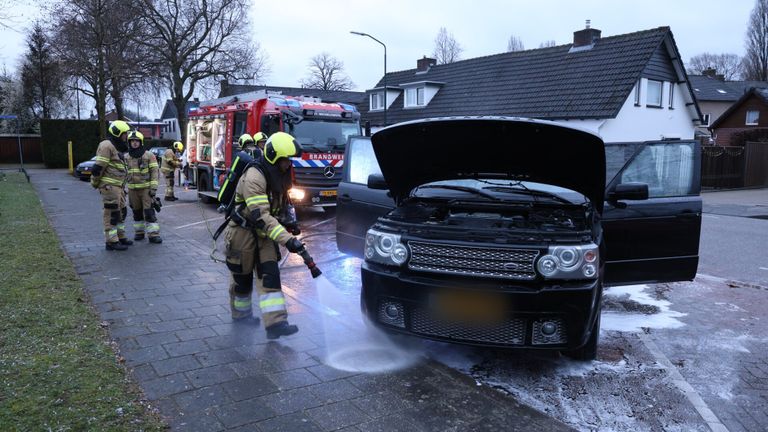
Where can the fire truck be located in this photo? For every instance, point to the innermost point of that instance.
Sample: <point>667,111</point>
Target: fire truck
<point>321,128</point>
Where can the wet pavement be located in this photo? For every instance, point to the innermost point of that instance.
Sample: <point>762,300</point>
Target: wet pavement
<point>675,357</point>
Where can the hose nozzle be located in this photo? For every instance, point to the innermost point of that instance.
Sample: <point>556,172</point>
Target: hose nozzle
<point>310,263</point>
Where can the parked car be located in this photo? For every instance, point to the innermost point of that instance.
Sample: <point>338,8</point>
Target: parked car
<point>503,232</point>
<point>83,169</point>
<point>158,152</point>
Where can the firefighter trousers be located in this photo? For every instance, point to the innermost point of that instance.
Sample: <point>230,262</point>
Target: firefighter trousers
<point>242,250</point>
<point>113,198</point>
<point>144,217</point>
<point>169,177</point>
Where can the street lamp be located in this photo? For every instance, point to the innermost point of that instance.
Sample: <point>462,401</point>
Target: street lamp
<point>385,70</point>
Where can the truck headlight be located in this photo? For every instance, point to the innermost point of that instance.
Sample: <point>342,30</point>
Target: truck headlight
<point>569,262</point>
<point>296,194</point>
<point>385,248</point>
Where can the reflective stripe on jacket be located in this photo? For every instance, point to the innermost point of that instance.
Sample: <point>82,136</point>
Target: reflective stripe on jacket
<point>143,172</point>
<point>252,189</point>
<point>114,171</point>
<point>170,162</point>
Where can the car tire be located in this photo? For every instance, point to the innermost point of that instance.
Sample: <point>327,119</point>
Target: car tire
<point>203,187</point>
<point>589,351</point>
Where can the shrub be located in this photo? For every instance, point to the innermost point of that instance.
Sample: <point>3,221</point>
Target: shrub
<point>84,135</point>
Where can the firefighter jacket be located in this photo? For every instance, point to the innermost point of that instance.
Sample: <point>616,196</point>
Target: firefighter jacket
<point>170,162</point>
<point>113,169</point>
<point>252,190</point>
<point>143,171</point>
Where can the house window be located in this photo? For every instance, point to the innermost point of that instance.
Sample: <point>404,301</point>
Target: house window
<point>671,95</point>
<point>637,93</point>
<point>377,101</point>
<point>653,94</point>
<point>752,117</point>
<point>414,97</point>
<point>705,120</point>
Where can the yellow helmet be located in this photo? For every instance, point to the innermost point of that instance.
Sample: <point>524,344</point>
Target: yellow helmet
<point>281,145</point>
<point>244,140</point>
<point>178,146</point>
<point>259,136</point>
<point>136,135</point>
<point>117,128</point>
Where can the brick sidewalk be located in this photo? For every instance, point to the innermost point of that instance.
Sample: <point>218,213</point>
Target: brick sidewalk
<point>167,308</point>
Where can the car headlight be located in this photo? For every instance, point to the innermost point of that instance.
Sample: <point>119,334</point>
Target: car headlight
<point>385,248</point>
<point>569,262</point>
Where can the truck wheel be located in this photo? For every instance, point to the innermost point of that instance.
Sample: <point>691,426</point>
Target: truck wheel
<point>589,351</point>
<point>202,186</point>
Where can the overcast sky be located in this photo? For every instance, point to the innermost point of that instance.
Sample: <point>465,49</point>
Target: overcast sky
<point>292,32</point>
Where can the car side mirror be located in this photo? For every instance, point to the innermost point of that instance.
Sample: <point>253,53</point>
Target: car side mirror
<point>376,181</point>
<point>629,191</point>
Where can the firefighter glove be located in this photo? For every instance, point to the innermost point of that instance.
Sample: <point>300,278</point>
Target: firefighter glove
<point>152,193</point>
<point>294,245</point>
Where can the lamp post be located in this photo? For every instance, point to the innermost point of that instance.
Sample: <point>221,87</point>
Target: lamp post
<point>385,69</point>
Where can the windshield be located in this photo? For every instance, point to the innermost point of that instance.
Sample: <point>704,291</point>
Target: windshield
<point>497,189</point>
<point>323,135</point>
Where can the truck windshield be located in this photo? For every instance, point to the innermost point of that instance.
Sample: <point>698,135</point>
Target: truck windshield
<point>323,135</point>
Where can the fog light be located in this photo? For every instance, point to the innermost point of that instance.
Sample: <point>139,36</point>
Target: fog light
<point>392,311</point>
<point>547,265</point>
<point>296,194</point>
<point>548,328</point>
<point>399,254</point>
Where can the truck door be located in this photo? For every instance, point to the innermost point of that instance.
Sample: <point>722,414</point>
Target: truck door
<point>655,239</point>
<point>357,206</point>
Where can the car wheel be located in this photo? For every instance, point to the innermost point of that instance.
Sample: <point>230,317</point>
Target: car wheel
<point>589,351</point>
<point>203,187</point>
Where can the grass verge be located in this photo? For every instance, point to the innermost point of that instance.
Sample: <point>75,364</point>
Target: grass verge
<point>57,369</point>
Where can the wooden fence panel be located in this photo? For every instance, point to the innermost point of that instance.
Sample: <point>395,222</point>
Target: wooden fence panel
<point>756,164</point>
<point>722,167</point>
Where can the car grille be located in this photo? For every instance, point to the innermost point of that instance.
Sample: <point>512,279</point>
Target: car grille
<point>510,332</point>
<point>473,261</point>
<point>315,177</point>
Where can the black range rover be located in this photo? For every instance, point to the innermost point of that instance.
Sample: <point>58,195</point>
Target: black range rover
<point>503,232</point>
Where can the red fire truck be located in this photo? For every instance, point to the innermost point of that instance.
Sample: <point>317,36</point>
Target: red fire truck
<point>321,128</point>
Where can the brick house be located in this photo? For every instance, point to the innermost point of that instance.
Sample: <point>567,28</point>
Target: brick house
<point>749,112</point>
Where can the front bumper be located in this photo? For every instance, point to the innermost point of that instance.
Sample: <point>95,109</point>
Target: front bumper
<point>570,309</point>
<point>315,196</point>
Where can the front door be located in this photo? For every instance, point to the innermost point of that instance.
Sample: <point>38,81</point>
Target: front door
<point>357,206</point>
<point>655,240</point>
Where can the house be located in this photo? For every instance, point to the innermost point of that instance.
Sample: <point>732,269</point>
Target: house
<point>170,119</point>
<point>628,88</point>
<point>150,129</point>
<point>331,96</point>
<point>715,95</point>
<point>749,112</point>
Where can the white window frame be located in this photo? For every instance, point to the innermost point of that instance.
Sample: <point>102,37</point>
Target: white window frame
<point>705,119</point>
<point>649,93</point>
<point>378,98</point>
<point>414,97</point>
<point>671,104</point>
<point>756,119</point>
<point>637,92</point>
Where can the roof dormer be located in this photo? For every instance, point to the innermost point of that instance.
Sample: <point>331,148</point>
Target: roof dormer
<point>419,93</point>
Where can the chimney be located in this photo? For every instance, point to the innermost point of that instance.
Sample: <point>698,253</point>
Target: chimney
<point>710,72</point>
<point>224,84</point>
<point>423,64</point>
<point>585,37</point>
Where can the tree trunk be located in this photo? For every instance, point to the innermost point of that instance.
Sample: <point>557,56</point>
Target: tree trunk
<point>180,102</point>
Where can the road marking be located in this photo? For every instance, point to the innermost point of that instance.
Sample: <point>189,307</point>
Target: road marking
<point>712,421</point>
<point>320,223</point>
<point>193,224</point>
<point>710,216</point>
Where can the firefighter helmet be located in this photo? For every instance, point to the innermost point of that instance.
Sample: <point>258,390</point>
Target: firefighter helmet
<point>117,128</point>
<point>178,146</point>
<point>259,136</point>
<point>281,145</point>
<point>136,135</point>
<point>245,140</point>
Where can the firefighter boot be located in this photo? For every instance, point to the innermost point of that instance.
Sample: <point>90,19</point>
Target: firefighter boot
<point>126,242</point>
<point>242,311</point>
<point>116,246</point>
<point>138,236</point>
<point>155,239</point>
<point>281,328</point>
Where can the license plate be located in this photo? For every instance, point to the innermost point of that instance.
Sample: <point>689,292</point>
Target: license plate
<point>328,193</point>
<point>470,307</point>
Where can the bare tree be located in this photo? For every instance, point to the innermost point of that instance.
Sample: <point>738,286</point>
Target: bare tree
<point>515,44</point>
<point>756,58</point>
<point>5,15</point>
<point>41,77</point>
<point>200,42</point>
<point>548,44</point>
<point>728,65</point>
<point>447,49</point>
<point>326,73</point>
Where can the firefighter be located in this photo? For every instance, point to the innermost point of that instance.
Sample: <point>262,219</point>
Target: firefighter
<point>254,233</point>
<point>109,176</point>
<point>170,162</point>
<point>261,139</point>
<point>143,174</point>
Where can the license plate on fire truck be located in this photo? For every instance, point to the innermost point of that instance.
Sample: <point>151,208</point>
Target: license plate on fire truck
<point>328,193</point>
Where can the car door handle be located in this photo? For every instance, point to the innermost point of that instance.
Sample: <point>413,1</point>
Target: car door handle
<point>688,215</point>
<point>345,198</point>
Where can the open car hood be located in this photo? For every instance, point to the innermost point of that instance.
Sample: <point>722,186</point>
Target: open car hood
<point>422,151</point>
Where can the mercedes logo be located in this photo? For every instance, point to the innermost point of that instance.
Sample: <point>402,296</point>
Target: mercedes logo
<point>328,171</point>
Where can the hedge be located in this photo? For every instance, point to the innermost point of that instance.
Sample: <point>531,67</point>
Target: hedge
<point>741,137</point>
<point>84,135</point>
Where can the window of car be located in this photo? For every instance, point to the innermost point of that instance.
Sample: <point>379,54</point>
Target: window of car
<point>667,168</point>
<point>362,161</point>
